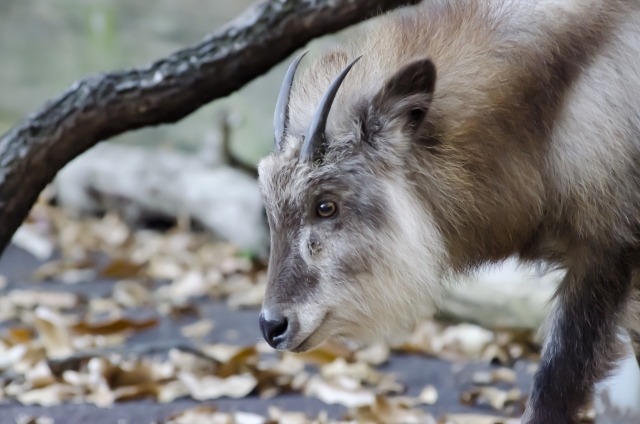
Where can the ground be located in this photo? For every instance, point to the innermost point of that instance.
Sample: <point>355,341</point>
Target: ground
<point>234,327</point>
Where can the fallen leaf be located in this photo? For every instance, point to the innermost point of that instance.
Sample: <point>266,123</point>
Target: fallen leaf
<point>211,387</point>
<point>201,415</point>
<point>33,298</point>
<point>122,268</point>
<point>190,363</point>
<point>284,417</point>
<point>325,354</point>
<point>137,391</point>
<point>476,419</point>
<point>53,330</point>
<point>239,362</point>
<point>26,419</point>
<point>247,418</point>
<point>131,294</point>
<point>332,393</point>
<point>429,395</point>
<point>497,398</point>
<point>171,391</point>
<point>398,411</point>
<point>359,371</point>
<point>19,335</point>
<point>221,352</point>
<point>198,329</point>
<point>376,354</point>
<point>51,395</point>
<point>114,326</point>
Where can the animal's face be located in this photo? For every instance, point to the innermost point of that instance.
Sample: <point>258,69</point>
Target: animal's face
<point>354,255</point>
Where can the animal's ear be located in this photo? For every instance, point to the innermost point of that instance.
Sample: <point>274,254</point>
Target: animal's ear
<point>406,96</point>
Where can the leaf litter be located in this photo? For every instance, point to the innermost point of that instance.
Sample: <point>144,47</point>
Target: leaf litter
<point>55,348</point>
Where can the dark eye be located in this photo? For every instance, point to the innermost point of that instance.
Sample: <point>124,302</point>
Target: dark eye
<point>326,209</point>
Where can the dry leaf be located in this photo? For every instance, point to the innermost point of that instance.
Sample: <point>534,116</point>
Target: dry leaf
<point>468,338</point>
<point>247,418</point>
<point>53,331</point>
<point>121,268</point>
<point>325,354</point>
<point>506,375</point>
<point>221,352</point>
<point>51,395</point>
<point>137,391</point>
<point>398,411</point>
<point>114,326</point>
<point>238,363</point>
<point>211,387</point>
<point>332,393</point>
<point>10,357</point>
<point>497,398</point>
<point>429,395</point>
<point>58,269</point>
<point>376,354</point>
<point>16,336</point>
<point>359,371</point>
<point>131,294</point>
<point>172,390</point>
<point>201,415</point>
<point>164,268</point>
<point>33,298</point>
<point>198,329</point>
<point>476,419</point>
<point>25,419</point>
<point>75,276</point>
<point>282,417</point>
<point>190,363</point>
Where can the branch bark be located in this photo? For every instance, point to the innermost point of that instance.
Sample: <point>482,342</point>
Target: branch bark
<point>104,105</point>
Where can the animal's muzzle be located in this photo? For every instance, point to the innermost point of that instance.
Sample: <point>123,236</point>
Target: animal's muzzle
<point>275,328</point>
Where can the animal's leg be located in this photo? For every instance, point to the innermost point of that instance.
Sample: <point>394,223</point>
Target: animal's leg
<point>635,342</point>
<point>583,342</point>
<point>632,319</point>
<point>633,327</point>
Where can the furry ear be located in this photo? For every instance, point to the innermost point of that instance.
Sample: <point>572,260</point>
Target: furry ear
<point>407,95</point>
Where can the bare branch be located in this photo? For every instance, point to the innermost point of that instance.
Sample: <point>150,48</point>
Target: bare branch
<point>101,106</point>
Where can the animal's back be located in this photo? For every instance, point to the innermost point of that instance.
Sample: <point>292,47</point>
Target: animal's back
<point>595,141</point>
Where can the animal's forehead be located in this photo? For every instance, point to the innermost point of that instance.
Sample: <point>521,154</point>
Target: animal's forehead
<point>287,182</point>
<point>277,179</point>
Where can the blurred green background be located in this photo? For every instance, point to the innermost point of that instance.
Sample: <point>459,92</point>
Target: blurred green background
<point>45,45</point>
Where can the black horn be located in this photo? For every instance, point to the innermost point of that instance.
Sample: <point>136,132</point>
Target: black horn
<point>315,139</point>
<point>281,116</point>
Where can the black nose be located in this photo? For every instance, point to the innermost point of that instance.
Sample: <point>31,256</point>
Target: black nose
<point>274,329</point>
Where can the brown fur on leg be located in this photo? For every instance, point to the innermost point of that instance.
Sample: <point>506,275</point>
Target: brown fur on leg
<point>583,344</point>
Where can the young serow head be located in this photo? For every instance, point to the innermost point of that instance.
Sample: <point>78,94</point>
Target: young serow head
<point>355,256</point>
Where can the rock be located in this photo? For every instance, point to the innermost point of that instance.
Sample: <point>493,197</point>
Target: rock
<point>508,295</point>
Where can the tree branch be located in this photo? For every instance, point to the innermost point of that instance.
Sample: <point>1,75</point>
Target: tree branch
<point>104,105</point>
